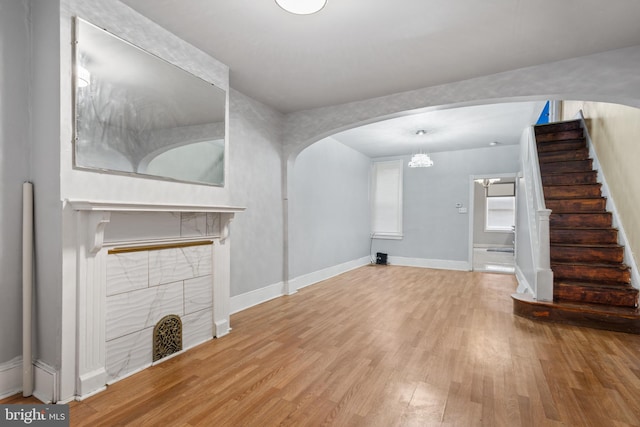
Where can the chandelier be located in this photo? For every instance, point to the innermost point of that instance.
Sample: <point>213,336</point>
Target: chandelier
<point>486,182</point>
<point>420,160</point>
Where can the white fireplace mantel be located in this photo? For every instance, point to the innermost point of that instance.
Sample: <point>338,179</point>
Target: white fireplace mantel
<point>92,219</point>
<point>88,205</point>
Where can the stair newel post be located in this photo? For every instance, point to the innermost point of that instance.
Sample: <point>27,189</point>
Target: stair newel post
<point>544,279</point>
<point>543,239</point>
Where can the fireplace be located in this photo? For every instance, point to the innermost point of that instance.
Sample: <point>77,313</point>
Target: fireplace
<point>136,265</point>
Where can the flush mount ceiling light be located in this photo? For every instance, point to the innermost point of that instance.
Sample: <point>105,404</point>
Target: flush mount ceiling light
<point>301,7</point>
<point>421,132</point>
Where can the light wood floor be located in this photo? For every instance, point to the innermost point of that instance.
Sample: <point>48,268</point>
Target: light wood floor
<point>387,346</point>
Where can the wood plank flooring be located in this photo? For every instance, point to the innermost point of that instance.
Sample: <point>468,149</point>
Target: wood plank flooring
<point>386,346</point>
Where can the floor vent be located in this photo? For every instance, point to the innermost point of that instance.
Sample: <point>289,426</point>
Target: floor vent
<point>167,337</point>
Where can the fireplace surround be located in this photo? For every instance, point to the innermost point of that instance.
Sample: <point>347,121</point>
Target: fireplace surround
<point>137,263</point>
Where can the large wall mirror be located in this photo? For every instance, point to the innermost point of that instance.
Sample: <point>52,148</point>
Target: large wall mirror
<point>138,114</point>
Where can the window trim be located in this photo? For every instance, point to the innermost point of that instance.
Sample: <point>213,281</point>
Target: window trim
<point>397,165</point>
<point>488,229</point>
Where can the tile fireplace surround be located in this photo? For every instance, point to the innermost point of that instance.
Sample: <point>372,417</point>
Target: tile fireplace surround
<point>137,263</point>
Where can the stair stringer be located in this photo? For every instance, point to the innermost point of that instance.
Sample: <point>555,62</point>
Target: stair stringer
<point>629,260</point>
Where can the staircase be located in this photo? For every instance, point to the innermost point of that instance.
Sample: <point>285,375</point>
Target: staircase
<point>591,283</point>
<point>586,260</point>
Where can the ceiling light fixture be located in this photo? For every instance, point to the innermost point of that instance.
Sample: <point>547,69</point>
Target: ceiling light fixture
<point>420,160</point>
<point>486,182</point>
<point>494,143</point>
<point>302,7</point>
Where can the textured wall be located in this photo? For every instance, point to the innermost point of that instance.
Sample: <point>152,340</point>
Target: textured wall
<point>329,222</point>
<point>255,182</point>
<point>615,132</point>
<point>14,168</point>
<point>611,76</point>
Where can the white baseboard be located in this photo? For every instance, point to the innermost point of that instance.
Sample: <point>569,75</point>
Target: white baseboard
<point>326,273</point>
<point>46,379</point>
<point>440,264</point>
<point>252,298</point>
<point>249,299</point>
<point>11,377</point>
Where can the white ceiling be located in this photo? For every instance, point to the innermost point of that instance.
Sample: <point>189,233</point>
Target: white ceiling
<point>359,49</point>
<point>447,130</point>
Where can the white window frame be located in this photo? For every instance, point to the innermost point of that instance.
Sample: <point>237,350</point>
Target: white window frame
<point>500,192</point>
<point>386,199</point>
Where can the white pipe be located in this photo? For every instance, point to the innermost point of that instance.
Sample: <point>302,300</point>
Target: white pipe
<point>27,288</point>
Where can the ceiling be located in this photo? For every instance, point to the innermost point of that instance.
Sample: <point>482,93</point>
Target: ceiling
<point>446,130</point>
<point>359,49</point>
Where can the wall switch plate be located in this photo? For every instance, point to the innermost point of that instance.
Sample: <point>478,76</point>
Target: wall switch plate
<point>462,210</point>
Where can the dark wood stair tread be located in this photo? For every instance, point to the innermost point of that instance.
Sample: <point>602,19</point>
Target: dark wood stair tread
<point>555,127</point>
<point>621,267</point>
<point>595,293</point>
<point>568,144</point>
<point>597,316</point>
<point>567,166</point>
<point>585,228</point>
<point>570,178</point>
<point>577,205</point>
<point>545,156</point>
<point>591,271</point>
<point>572,191</point>
<point>561,135</point>
<point>597,285</point>
<point>588,245</point>
<point>580,220</point>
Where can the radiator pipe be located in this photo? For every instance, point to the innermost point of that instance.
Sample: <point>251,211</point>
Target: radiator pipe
<point>27,288</point>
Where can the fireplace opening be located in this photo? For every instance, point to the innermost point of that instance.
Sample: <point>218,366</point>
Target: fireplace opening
<point>167,336</point>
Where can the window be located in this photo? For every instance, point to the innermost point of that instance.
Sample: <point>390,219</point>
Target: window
<point>386,200</point>
<point>501,207</point>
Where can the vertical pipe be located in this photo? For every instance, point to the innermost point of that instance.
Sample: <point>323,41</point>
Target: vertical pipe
<point>27,288</point>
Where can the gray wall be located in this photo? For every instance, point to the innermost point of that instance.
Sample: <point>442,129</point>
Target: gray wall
<point>329,222</point>
<point>433,228</point>
<point>14,167</point>
<point>255,182</point>
<point>45,128</point>
<point>481,237</point>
